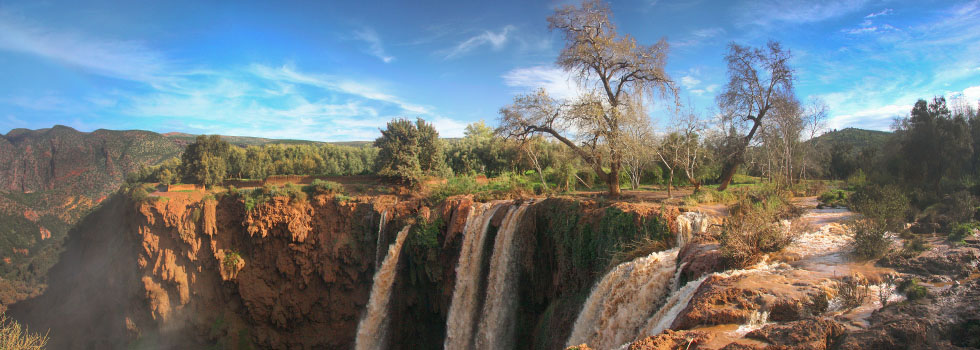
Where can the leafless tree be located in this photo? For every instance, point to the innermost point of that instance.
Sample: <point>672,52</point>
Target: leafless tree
<point>615,71</point>
<point>814,121</point>
<point>757,78</point>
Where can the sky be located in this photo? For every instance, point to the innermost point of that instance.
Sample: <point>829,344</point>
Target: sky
<point>339,70</point>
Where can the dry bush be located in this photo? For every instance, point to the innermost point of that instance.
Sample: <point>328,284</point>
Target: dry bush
<point>13,336</point>
<point>752,232</point>
<point>852,291</point>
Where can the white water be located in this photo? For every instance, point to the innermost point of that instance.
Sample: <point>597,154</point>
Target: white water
<point>371,331</point>
<point>623,300</point>
<point>381,230</point>
<point>496,327</point>
<point>463,309</point>
<point>688,224</point>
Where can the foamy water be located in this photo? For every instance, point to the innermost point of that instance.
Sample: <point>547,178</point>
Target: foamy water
<point>496,324</point>
<point>624,299</point>
<point>373,328</point>
<point>464,306</point>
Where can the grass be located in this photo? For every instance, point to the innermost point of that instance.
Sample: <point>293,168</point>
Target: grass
<point>912,289</point>
<point>13,336</point>
<point>506,186</point>
<point>834,198</point>
<point>963,230</point>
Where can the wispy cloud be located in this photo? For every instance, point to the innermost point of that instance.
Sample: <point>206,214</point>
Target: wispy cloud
<point>254,99</point>
<point>555,81</point>
<point>884,12</point>
<point>794,11</point>
<point>699,36</point>
<point>690,82</point>
<point>375,47</point>
<point>496,40</point>
<point>129,60</point>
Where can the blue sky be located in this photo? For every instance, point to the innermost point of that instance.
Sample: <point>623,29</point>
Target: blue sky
<point>338,70</point>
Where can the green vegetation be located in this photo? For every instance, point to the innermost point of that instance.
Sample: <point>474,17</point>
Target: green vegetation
<point>834,198</point>
<point>885,205</point>
<point>408,151</point>
<point>13,336</point>
<point>963,230</point>
<point>870,239</point>
<point>912,289</point>
<point>231,259</point>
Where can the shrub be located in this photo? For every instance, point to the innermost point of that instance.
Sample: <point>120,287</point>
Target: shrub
<point>885,204</point>
<point>852,291</point>
<point>321,186</point>
<point>751,232</point>
<point>13,336</point>
<point>914,246</point>
<point>912,289</point>
<point>870,241</point>
<point>963,230</point>
<point>230,262</point>
<point>833,198</point>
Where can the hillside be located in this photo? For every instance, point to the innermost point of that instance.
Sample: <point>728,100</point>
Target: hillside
<point>857,138</point>
<point>50,179</point>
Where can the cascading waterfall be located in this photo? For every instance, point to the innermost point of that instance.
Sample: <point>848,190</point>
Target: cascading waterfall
<point>371,331</point>
<point>464,305</point>
<point>622,302</point>
<point>381,229</point>
<point>688,224</point>
<point>496,327</point>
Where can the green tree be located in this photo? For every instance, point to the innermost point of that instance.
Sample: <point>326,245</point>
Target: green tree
<point>432,159</point>
<point>935,144</point>
<point>398,152</point>
<point>205,161</point>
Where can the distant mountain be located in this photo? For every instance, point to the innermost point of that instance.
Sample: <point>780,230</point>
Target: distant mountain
<point>51,178</point>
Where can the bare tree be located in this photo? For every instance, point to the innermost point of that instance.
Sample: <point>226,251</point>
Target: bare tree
<point>757,78</point>
<point>690,126</point>
<point>814,121</point>
<point>616,72</point>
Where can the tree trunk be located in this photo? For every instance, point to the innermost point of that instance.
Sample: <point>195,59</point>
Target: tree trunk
<point>670,184</point>
<point>613,181</point>
<point>729,172</point>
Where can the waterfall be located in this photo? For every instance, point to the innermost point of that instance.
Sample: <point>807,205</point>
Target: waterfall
<point>463,308</point>
<point>371,331</point>
<point>378,253</point>
<point>677,302</point>
<point>496,327</point>
<point>688,224</point>
<point>622,302</point>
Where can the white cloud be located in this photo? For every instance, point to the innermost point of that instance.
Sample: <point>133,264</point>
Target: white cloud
<point>375,47</point>
<point>972,93</point>
<point>884,12</point>
<point>495,40</point>
<point>556,81</point>
<point>876,118</point>
<point>690,82</point>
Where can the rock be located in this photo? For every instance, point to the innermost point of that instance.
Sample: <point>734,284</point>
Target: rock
<point>673,340</point>
<point>807,334</point>
<point>942,259</point>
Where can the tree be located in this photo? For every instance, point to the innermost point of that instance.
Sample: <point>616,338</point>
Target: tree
<point>935,144</point>
<point>615,71</point>
<point>398,152</point>
<point>692,153</point>
<point>814,121</point>
<point>757,78</point>
<point>407,151</point>
<point>205,161</point>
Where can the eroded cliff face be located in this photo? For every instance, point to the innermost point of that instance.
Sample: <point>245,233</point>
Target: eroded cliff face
<point>192,272</point>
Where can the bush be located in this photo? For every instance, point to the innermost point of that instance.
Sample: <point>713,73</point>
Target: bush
<point>963,230</point>
<point>230,262</point>
<point>506,186</point>
<point>13,336</point>
<point>914,246</point>
<point>321,186</point>
<point>870,241</point>
<point>886,205</point>
<point>833,198</point>
<point>912,289</point>
<point>751,232</point>
<point>852,291</point>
